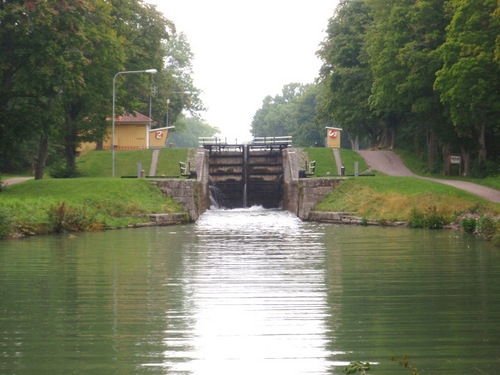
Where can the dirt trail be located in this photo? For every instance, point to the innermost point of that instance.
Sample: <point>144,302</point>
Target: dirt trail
<point>15,180</point>
<point>391,164</point>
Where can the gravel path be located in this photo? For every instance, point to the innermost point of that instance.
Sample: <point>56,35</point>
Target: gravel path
<point>15,180</point>
<point>391,164</point>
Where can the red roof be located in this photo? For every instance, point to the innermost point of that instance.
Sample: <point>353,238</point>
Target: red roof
<point>136,118</point>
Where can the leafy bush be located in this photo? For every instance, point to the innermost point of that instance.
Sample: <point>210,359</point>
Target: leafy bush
<point>431,218</point>
<point>468,224</point>
<point>357,367</point>
<point>63,217</point>
<point>5,222</point>
<point>60,170</point>
<point>417,219</point>
<point>486,227</point>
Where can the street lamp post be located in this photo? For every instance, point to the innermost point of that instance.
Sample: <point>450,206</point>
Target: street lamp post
<point>150,71</point>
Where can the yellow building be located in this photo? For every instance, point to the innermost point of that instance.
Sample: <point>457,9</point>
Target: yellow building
<point>132,132</point>
<point>333,137</point>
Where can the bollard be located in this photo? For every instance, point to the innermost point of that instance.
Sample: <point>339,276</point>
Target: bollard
<point>356,168</point>
<point>139,169</point>
<point>342,171</point>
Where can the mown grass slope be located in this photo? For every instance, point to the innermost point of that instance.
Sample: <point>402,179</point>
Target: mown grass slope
<point>110,202</point>
<point>395,198</point>
<point>325,160</point>
<point>99,163</point>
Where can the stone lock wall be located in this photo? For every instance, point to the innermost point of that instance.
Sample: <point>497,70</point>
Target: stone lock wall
<point>193,194</point>
<point>301,195</point>
<point>313,190</point>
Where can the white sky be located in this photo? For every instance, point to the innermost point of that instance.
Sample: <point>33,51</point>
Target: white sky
<point>246,50</point>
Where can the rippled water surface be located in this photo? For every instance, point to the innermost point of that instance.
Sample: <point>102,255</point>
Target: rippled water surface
<point>249,291</point>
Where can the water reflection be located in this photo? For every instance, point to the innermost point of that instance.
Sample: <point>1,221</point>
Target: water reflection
<point>255,298</point>
<point>249,292</point>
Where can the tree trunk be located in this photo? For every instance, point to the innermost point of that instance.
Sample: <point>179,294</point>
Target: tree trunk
<point>466,158</point>
<point>446,159</point>
<point>384,139</point>
<point>482,144</point>
<point>71,140</point>
<point>393,131</point>
<point>432,149</point>
<point>42,156</point>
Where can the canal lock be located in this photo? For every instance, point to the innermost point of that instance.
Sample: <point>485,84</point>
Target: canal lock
<point>246,175</point>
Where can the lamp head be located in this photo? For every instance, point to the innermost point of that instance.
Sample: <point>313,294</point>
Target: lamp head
<point>152,71</point>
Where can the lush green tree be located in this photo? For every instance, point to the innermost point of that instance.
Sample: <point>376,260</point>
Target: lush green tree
<point>294,113</point>
<point>346,75</point>
<point>390,32</point>
<point>173,88</point>
<point>420,59</point>
<point>276,116</point>
<point>188,130</point>
<point>469,82</point>
<point>309,128</point>
<point>34,68</point>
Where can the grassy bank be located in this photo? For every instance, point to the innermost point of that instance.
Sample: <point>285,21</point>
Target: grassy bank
<point>36,207</point>
<point>99,163</point>
<point>394,198</point>
<point>417,166</point>
<point>325,160</point>
<point>419,202</point>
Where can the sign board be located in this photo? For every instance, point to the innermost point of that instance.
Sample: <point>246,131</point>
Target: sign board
<point>333,137</point>
<point>454,159</point>
<point>332,133</point>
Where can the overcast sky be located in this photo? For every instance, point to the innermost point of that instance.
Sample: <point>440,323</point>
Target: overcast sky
<point>246,50</point>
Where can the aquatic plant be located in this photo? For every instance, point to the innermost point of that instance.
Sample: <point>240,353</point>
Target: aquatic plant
<point>357,367</point>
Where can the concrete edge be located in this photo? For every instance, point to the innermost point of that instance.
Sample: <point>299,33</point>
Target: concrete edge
<point>349,218</point>
<point>158,220</point>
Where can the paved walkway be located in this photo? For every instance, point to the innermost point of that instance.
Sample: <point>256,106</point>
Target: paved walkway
<point>391,164</point>
<point>338,160</point>
<point>154,163</point>
<point>15,180</point>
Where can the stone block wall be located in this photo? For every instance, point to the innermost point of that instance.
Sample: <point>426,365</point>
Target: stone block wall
<point>301,195</point>
<point>193,194</point>
<point>311,191</point>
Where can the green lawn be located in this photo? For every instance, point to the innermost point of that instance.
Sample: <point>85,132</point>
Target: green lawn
<point>349,157</point>
<point>114,202</point>
<point>325,160</point>
<point>99,163</point>
<point>417,166</point>
<point>394,198</point>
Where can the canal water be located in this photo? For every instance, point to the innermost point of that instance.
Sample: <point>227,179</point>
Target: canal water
<point>249,291</point>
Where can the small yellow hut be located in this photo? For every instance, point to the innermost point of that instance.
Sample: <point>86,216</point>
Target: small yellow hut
<point>132,132</point>
<point>333,137</point>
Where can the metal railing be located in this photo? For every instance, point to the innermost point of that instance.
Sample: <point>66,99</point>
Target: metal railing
<point>286,140</point>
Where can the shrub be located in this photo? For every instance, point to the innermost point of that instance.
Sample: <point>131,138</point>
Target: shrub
<point>417,219</point>
<point>60,170</point>
<point>468,224</point>
<point>430,219</point>
<point>5,222</point>
<point>433,219</point>
<point>63,217</point>
<point>486,227</point>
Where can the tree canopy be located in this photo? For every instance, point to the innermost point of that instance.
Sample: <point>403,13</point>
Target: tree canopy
<point>57,63</point>
<point>423,74</point>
